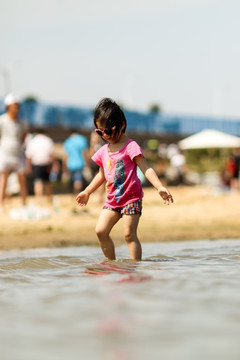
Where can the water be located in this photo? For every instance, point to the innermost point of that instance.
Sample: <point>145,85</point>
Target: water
<point>181,302</point>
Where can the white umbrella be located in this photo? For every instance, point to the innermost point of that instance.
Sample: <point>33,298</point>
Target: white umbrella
<point>207,139</point>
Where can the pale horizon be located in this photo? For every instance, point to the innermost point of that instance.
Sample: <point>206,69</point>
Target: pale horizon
<point>183,55</point>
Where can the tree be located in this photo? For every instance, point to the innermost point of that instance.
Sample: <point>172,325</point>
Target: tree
<point>30,99</point>
<point>155,108</point>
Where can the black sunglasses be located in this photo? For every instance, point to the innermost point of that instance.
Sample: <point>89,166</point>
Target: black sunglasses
<point>105,131</point>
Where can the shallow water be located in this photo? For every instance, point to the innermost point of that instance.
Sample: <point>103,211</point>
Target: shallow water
<point>181,301</point>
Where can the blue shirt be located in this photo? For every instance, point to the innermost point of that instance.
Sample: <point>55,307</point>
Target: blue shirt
<point>74,147</point>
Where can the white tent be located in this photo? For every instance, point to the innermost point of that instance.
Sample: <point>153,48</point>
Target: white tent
<point>207,139</point>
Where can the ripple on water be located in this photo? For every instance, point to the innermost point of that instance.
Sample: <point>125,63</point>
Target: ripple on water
<point>183,296</point>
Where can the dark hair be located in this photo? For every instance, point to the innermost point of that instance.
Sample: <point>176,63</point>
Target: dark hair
<point>109,114</point>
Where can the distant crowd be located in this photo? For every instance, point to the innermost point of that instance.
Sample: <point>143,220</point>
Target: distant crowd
<point>32,157</point>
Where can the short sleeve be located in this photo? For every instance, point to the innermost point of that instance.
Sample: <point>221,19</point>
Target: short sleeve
<point>98,156</point>
<point>51,144</point>
<point>134,150</point>
<point>28,150</point>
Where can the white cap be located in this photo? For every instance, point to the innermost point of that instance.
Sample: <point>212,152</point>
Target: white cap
<point>11,99</point>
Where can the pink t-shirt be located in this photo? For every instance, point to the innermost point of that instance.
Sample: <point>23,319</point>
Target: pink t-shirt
<point>120,170</point>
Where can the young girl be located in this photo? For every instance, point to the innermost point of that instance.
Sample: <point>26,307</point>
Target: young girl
<point>118,161</point>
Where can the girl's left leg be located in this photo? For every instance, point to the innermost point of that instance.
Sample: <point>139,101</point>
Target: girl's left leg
<point>130,224</point>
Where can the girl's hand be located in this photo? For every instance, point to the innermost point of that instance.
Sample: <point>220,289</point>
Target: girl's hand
<point>82,198</point>
<point>165,194</point>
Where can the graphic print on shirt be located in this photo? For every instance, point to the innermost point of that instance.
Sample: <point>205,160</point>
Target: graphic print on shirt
<point>110,175</point>
<point>119,178</point>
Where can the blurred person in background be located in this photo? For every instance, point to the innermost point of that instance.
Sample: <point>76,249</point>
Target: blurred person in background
<point>39,153</point>
<point>235,176</point>
<point>178,163</point>
<point>56,170</point>
<point>231,171</point>
<point>77,157</point>
<point>12,158</point>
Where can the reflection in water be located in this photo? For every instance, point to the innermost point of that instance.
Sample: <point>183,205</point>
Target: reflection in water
<point>181,301</point>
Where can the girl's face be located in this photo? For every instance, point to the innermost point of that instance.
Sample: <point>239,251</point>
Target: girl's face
<point>107,134</point>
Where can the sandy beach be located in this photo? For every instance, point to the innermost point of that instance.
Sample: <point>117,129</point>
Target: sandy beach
<point>197,213</point>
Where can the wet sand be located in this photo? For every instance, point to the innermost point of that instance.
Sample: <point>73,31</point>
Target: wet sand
<point>196,214</point>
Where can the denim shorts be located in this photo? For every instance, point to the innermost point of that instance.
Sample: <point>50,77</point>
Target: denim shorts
<point>76,176</point>
<point>133,208</point>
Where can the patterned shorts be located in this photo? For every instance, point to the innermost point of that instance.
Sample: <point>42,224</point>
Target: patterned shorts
<point>133,208</point>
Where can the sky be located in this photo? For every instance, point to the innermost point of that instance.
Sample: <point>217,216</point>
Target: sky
<point>181,54</point>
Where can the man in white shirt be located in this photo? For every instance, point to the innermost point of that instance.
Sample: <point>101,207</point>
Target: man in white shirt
<point>39,153</point>
<point>12,158</point>
<point>178,162</point>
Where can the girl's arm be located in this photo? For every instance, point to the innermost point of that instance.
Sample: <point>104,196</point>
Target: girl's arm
<point>98,180</point>
<point>151,175</point>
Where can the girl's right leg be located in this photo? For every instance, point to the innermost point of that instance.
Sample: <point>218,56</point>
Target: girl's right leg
<point>106,221</point>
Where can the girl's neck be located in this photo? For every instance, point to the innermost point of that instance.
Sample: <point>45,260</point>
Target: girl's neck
<point>119,144</point>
